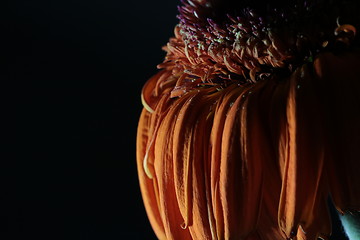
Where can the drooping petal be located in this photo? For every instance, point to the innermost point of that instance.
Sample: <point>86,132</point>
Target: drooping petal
<point>149,192</point>
<point>271,141</point>
<point>301,189</point>
<point>162,107</point>
<point>340,78</point>
<point>225,102</point>
<point>152,89</point>
<point>229,155</point>
<point>240,182</point>
<point>183,157</point>
<point>191,160</point>
<point>164,171</point>
<point>319,223</point>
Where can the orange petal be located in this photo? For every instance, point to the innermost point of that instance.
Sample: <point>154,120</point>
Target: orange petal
<point>240,182</point>
<point>164,171</point>
<point>340,76</point>
<point>315,228</point>
<point>153,88</point>
<point>190,148</point>
<point>270,143</point>
<point>304,165</point>
<point>149,193</point>
<point>156,118</point>
<point>225,102</point>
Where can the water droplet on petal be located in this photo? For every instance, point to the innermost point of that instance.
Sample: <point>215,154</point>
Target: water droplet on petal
<point>183,225</point>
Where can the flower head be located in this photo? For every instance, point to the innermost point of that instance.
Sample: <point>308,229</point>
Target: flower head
<point>252,123</point>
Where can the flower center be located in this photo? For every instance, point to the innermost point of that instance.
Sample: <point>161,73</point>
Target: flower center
<point>218,45</point>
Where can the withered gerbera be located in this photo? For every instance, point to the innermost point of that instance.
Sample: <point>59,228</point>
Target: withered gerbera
<point>252,125</point>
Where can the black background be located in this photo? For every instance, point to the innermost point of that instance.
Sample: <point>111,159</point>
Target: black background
<point>79,67</point>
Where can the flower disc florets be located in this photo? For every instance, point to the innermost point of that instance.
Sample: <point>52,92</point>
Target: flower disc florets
<point>217,45</point>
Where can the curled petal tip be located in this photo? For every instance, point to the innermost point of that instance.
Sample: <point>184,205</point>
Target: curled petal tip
<point>201,122</point>
<point>346,28</point>
<point>146,105</point>
<point>146,166</point>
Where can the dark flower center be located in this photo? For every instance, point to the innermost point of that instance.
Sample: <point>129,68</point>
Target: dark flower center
<point>245,41</point>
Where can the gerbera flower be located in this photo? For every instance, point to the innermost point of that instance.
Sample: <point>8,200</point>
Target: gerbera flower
<point>252,123</point>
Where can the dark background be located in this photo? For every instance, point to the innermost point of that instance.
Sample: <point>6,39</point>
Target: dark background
<point>79,67</point>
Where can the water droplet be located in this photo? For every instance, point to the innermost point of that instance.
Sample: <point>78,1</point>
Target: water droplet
<point>183,225</point>
<point>302,75</point>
